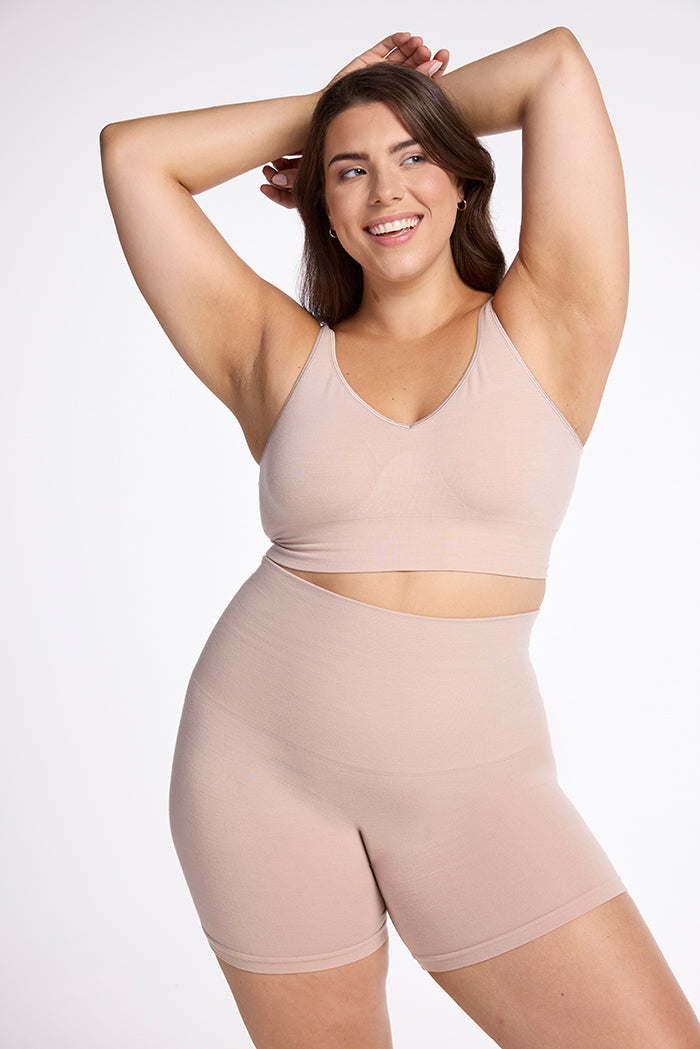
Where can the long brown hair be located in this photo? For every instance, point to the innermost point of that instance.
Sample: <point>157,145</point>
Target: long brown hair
<point>331,280</point>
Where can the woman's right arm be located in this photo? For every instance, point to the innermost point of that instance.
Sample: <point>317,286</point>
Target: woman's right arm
<point>219,314</point>
<point>216,311</point>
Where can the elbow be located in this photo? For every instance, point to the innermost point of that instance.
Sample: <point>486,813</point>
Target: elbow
<point>117,152</point>
<point>557,59</point>
<point>114,136</point>
<point>566,61</point>
<point>105,135</point>
<point>565,46</point>
<point>563,39</point>
<point>109,134</point>
<point>121,148</point>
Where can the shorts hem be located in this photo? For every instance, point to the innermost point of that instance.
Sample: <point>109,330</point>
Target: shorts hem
<point>525,934</point>
<point>313,963</point>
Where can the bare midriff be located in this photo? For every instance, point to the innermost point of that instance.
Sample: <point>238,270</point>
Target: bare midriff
<point>452,595</point>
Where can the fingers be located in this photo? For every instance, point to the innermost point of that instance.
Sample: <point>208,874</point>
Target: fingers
<point>379,52</point>
<point>283,163</point>
<point>280,174</point>
<point>402,49</point>
<point>436,66</point>
<point>278,196</point>
<point>397,49</point>
<point>384,47</point>
<point>409,51</point>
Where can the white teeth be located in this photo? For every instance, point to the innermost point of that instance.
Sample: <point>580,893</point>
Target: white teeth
<point>393,227</point>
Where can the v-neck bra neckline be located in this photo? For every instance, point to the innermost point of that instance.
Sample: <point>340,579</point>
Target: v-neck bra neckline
<point>426,418</point>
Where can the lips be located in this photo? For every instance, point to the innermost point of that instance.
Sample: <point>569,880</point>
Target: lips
<point>393,226</point>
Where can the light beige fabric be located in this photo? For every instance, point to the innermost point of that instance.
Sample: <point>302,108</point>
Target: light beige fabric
<point>480,485</point>
<point>335,758</point>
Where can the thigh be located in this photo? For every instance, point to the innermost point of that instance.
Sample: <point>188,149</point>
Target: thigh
<point>475,862</point>
<point>599,980</point>
<point>340,1008</point>
<point>279,876</point>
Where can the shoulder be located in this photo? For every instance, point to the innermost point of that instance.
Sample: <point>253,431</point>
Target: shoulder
<point>290,333</point>
<point>569,351</point>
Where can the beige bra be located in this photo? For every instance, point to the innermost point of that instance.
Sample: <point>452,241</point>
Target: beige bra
<point>479,485</point>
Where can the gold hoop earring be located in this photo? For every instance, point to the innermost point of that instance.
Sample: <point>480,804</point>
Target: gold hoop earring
<point>333,234</point>
<point>461,205</point>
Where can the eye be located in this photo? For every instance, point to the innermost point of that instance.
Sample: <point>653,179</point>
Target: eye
<point>415,158</point>
<point>351,173</point>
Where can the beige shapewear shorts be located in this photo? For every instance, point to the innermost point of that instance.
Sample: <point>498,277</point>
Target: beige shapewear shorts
<point>337,761</point>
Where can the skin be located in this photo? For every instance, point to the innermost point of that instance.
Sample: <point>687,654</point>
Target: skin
<point>599,981</point>
<point>384,183</point>
<point>415,331</point>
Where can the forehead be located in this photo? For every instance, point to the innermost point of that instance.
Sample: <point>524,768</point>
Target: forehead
<point>364,127</point>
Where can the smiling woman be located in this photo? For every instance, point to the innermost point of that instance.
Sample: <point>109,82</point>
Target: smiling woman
<point>398,110</point>
<point>365,205</point>
<point>363,732</point>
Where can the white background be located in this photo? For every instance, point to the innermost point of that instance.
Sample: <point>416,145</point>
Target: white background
<point>130,505</point>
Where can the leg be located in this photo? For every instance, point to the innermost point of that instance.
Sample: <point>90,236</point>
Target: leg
<point>341,1008</point>
<point>282,884</point>
<point>599,981</point>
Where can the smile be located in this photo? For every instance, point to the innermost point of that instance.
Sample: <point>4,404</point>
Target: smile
<point>394,228</point>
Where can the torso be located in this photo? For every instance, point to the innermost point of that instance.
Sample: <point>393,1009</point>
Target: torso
<point>404,384</point>
<point>456,595</point>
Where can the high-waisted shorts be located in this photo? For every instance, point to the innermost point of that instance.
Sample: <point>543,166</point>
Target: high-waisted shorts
<point>337,761</point>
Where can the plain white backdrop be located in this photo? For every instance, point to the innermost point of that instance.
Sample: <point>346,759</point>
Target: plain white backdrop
<point>130,502</point>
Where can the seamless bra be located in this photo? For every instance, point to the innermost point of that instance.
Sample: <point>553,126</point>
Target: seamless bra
<point>479,485</point>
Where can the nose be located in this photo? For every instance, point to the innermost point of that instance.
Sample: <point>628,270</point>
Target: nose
<point>386,185</point>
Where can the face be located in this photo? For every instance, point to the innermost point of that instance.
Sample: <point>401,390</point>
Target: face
<point>392,208</point>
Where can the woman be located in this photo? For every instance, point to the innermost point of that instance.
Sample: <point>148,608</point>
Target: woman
<point>363,730</point>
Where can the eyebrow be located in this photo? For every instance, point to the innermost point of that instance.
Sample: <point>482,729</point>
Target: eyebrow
<point>365,156</point>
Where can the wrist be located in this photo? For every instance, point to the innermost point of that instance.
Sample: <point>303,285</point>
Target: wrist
<point>306,105</point>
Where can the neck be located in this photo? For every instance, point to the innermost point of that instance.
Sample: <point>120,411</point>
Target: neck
<point>410,310</point>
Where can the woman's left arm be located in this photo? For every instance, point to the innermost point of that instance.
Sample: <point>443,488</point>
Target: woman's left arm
<point>564,299</point>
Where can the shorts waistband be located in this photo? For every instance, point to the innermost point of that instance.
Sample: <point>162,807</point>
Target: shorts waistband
<point>527,619</point>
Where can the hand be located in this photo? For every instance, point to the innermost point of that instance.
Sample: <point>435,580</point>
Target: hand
<point>279,191</point>
<point>399,49</point>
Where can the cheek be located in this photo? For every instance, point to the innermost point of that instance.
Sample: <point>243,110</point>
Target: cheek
<point>444,189</point>
<point>341,203</point>
<point>333,205</point>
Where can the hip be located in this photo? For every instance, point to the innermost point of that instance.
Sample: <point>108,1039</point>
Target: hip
<point>371,687</point>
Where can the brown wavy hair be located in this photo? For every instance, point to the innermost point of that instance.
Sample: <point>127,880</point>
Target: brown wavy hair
<point>331,280</point>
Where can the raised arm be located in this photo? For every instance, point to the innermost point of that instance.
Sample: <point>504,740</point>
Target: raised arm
<point>218,313</point>
<point>564,298</point>
<point>215,310</point>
